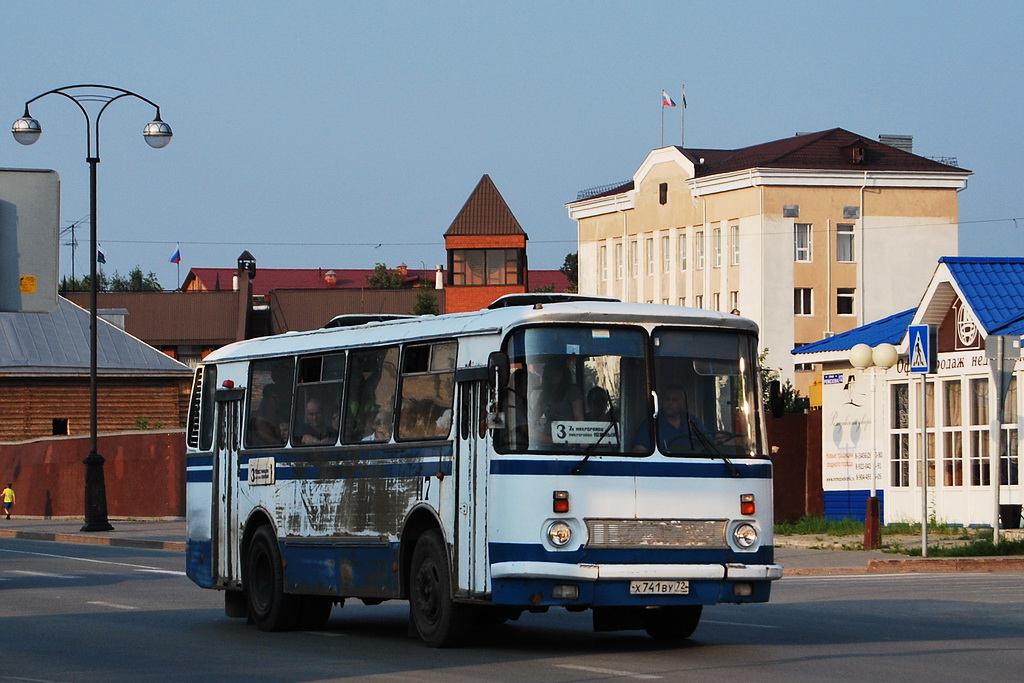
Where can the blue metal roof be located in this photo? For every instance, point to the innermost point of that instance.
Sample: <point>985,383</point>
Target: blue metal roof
<point>992,286</point>
<point>994,289</point>
<point>885,331</point>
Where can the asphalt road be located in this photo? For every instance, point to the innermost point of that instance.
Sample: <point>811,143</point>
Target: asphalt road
<point>77,612</point>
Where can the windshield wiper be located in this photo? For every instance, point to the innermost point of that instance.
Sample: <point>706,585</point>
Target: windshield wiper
<point>710,446</point>
<point>590,449</point>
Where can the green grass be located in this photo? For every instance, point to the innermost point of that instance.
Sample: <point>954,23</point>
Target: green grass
<point>818,526</point>
<point>979,548</point>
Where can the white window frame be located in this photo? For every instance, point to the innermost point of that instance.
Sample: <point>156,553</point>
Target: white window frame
<point>700,249</point>
<point>666,255</point>
<point>734,239</point>
<point>844,294</point>
<point>649,248</point>
<point>802,242</point>
<point>716,241</point>
<point>844,237</point>
<point>899,436</point>
<point>804,305</point>
<point>619,261</point>
<point>602,257</point>
<point>682,250</point>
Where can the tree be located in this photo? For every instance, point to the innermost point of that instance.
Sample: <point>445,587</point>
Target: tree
<point>135,281</point>
<point>570,269</point>
<point>71,284</point>
<point>426,302</point>
<point>382,278</point>
<point>792,401</point>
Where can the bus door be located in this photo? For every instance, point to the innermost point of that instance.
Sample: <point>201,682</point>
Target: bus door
<point>224,522</point>
<point>471,457</point>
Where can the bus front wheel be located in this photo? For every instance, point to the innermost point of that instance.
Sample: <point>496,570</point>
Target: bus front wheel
<point>439,621</point>
<point>671,623</point>
<point>269,606</point>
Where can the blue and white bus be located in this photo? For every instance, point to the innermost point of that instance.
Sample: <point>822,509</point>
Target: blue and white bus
<point>582,454</point>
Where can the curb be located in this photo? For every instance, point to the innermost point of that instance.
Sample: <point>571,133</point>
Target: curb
<point>146,544</point>
<point>921,565</point>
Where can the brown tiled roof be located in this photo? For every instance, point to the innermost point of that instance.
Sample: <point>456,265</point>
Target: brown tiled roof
<point>826,150</point>
<point>270,279</point>
<point>549,278</point>
<point>173,318</point>
<point>485,213</point>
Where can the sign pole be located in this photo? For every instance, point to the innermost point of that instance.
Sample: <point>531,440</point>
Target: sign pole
<point>923,349</point>
<point>924,465</point>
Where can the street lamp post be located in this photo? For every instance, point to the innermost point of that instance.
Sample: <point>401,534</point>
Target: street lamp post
<point>157,134</point>
<point>883,356</point>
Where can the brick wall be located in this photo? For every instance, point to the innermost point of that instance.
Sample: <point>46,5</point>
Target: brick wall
<point>144,474</point>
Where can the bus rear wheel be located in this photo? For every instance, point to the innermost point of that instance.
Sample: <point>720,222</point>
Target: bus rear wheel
<point>269,606</point>
<point>438,620</point>
<point>671,623</point>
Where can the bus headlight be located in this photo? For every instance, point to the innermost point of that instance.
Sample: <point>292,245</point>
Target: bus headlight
<point>745,535</point>
<point>559,534</point>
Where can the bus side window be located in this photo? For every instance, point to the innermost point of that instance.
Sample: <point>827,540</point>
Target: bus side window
<point>372,384</point>
<point>269,403</point>
<point>318,393</point>
<point>427,391</point>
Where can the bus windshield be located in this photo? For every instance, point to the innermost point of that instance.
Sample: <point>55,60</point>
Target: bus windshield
<point>586,390</point>
<point>707,395</point>
<point>575,389</point>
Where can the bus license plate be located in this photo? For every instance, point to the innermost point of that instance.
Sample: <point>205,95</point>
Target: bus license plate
<point>659,587</point>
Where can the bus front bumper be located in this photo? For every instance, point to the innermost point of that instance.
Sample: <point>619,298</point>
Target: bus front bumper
<point>536,584</point>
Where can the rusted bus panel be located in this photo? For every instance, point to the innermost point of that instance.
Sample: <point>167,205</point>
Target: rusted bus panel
<point>348,506</point>
<point>31,405</point>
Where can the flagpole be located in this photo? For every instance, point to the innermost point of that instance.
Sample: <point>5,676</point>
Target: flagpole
<point>682,118</point>
<point>662,124</point>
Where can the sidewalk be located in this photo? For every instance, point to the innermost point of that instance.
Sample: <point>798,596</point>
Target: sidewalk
<point>151,534</point>
<point>799,555</point>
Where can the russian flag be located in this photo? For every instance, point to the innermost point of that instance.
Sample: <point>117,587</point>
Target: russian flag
<point>176,256</point>
<point>667,101</point>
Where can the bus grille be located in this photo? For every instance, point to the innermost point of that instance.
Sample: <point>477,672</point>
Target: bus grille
<point>656,533</point>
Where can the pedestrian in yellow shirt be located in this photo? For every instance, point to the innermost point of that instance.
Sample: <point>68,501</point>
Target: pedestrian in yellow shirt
<point>8,496</point>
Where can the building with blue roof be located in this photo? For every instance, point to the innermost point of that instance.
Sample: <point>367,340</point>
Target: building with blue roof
<point>871,424</point>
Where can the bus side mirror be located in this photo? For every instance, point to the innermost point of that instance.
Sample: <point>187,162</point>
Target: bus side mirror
<point>776,403</point>
<point>497,370</point>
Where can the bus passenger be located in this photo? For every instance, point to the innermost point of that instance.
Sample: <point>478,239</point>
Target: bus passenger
<point>265,427</point>
<point>314,430</point>
<point>677,428</point>
<point>557,399</point>
<point>381,427</point>
<point>599,405</point>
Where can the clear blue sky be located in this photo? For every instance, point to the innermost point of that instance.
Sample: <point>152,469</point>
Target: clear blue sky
<point>310,132</point>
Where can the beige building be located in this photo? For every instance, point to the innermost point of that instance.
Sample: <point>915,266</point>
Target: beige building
<point>809,236</point>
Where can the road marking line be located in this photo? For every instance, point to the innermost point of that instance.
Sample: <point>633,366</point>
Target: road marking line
<point>84,559</point>
<point>111,604</point>
<point>47,575</point>
<point>608,672</point>
<point>735,623</point>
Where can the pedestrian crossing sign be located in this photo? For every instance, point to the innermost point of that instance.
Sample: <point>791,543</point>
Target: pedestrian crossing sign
<point>923,348</point>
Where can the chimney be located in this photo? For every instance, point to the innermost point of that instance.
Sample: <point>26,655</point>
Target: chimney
<point>403,271</point>
<point>904,142</point>
<point>438,277</point>
<point>330,279</point>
